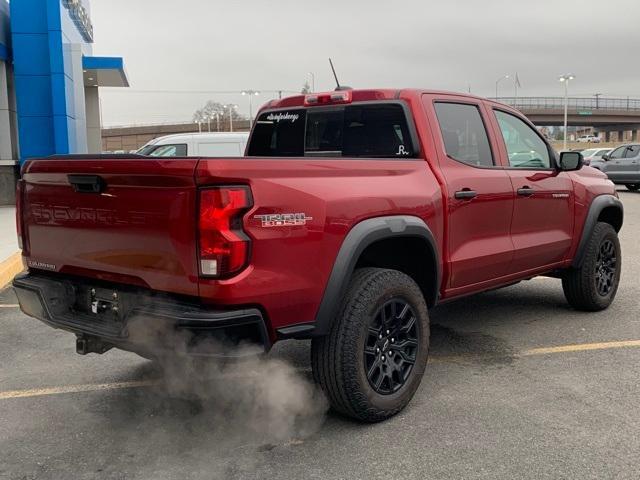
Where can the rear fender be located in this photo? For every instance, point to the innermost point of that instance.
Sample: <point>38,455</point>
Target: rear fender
<point>357,240</point>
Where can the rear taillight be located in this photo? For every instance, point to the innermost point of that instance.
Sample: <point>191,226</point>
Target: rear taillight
<point>223,246</point>
<point>19,191</point>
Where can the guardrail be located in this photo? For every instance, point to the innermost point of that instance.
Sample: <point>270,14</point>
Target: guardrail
<point>204,125</point>
<point>151,124</point>
<point>574,103</point>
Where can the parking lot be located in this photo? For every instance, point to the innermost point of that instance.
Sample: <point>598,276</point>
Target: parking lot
<point>518,386</point>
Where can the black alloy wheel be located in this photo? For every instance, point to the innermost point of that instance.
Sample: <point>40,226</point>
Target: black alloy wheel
<point>606,264</point>
<point>391,346</point>
<point>372,360</point>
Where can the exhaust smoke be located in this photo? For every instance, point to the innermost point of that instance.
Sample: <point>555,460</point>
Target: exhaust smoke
<point>262,399</point>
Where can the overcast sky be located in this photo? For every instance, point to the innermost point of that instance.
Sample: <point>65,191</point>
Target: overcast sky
<point>212,45</point>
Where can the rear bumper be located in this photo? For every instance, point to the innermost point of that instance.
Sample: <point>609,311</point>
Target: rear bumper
<point>145,322</point>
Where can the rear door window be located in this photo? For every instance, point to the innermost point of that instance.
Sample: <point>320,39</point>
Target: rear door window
<point>376,130</point>
<point>464,135</point>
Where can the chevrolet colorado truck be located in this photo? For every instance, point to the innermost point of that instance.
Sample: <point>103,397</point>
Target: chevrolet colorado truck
<point>353,213</point>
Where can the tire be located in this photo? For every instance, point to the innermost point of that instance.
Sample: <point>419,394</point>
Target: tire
<point>584,287</point>
<point>634,187</point>
<point>341,365</point>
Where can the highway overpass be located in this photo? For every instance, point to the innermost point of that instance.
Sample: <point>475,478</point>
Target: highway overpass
<point>606,115</point>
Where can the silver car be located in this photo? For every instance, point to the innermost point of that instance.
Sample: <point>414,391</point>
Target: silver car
<point>622,166</point>
<point>594,154</point>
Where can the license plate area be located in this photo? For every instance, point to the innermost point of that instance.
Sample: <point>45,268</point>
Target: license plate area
<point>105,304</point>
<point>99,303</point>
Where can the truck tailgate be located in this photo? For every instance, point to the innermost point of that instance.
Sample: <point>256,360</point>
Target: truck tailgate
<point>130,220</point>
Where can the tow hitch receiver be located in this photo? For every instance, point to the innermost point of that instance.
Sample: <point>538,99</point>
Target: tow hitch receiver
<point>88,344</point>
<point>104,303</point>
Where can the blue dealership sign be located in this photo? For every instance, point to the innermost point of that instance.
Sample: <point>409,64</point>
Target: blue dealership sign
<point>80,16</point>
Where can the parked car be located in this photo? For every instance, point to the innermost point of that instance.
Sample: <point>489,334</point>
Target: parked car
<point>622,166</point>
<point>354,214</point>
<point>594,154</point>
<point>588,139</point>
<point>218,144</point>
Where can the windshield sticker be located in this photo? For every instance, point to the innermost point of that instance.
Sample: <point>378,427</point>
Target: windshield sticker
<point>283,116</point>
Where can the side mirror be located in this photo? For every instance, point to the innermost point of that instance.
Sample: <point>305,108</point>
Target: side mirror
<point>570,161</point>
<point>606,157</point>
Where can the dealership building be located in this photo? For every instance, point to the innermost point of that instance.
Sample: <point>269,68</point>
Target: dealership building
<point>49,82</point>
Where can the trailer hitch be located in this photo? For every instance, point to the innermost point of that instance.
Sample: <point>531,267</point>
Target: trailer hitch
<point>89,344</point>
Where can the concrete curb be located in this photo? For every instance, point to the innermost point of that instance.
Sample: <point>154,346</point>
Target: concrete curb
<point>9,268</point>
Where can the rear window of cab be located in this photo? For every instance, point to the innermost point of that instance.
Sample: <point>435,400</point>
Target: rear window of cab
<point>376,130</point>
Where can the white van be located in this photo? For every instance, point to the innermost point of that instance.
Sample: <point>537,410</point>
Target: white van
<point>218,144</point>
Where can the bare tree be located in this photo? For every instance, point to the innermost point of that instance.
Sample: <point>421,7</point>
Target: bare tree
<point>306,88</point>
<point>199,116</point>
<point>209,110</point>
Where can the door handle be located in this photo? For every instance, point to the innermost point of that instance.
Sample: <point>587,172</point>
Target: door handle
<point>526,191</point>
<point>87,183</point>
<point>465,194</point>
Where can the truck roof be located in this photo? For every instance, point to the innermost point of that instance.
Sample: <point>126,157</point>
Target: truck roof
<point>363,95</point>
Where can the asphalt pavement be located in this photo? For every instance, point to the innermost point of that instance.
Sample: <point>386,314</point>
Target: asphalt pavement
<point>518,385</point>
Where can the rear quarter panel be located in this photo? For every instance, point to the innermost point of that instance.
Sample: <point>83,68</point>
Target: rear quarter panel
<point>290,265</point>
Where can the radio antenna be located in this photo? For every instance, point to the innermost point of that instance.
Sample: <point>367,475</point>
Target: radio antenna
<point>338,86</point>
<point>334,74</point>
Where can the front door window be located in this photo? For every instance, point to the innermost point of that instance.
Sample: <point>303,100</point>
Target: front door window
<point>525,148</point>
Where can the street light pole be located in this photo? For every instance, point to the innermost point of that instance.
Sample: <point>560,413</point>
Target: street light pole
<point>566,108</point>
<point>565,79</point>
<point>504,77</point>
<point>251,93</point>
<point>597,95</point>
<point>313,82</point>
<point>231,108</point>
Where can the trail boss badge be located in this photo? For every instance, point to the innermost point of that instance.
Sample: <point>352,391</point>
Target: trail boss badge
<point>283,219</point>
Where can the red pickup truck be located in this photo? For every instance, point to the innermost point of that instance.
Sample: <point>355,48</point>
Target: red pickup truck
<point>353,213</point>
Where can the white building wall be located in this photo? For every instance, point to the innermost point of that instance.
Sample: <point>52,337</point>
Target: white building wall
<point>8,144</point>
<point>13,114</point>
<point>94,129</point>
<point>78,100</point>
